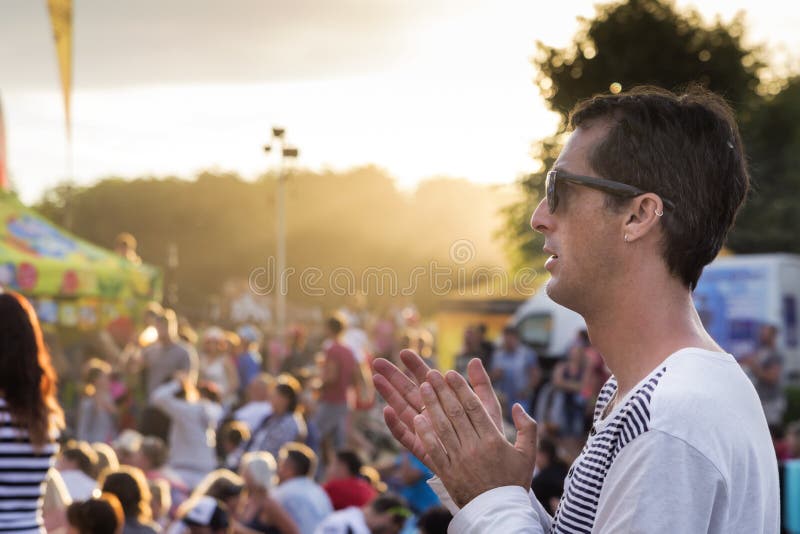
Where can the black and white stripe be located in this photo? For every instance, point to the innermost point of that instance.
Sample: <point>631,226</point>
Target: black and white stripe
<point>578,507</point>
<point>22,473</point>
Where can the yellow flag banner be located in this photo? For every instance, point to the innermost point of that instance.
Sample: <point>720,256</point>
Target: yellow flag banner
<point>61,18</point>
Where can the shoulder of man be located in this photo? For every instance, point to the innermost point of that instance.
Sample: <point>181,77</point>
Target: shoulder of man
<point>706,400</point>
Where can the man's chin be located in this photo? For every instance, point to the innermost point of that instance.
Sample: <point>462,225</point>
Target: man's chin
<point>557,293</point>
<point>551,289</point>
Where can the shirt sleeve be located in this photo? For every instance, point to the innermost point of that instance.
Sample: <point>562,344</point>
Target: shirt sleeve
<point>661,484</point>
<point>273,437</point>
<point>507,509</point>
<point>163,397</point>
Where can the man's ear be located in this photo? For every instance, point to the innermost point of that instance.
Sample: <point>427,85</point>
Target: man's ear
<point>642,216</point>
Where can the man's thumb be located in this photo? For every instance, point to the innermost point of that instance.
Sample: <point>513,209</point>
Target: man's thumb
<point>526,431</point>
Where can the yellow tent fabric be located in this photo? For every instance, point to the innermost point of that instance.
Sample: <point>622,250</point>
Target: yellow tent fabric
<point>39,259</point>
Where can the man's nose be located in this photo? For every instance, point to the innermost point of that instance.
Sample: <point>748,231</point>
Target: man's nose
<point>542,219</point>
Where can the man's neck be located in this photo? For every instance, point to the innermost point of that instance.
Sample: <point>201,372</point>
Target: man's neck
<point>642,328</point>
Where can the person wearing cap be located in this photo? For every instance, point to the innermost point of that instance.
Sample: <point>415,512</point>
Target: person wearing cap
<point>386,514</point>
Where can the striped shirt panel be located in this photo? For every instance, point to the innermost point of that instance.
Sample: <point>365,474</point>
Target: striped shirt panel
<point>578,507</point>
<point>22,474</point>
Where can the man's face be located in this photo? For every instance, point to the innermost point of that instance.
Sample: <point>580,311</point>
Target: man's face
<point>584,237</point>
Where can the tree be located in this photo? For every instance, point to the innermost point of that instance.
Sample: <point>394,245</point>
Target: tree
<point>356,223</point>
<point>632,43</point>
<point>770,218</point>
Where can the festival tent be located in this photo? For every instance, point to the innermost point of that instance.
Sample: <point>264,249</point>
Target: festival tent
<point>71,282</point>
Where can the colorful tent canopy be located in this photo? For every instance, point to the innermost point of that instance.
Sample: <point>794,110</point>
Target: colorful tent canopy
<point>39,259</point>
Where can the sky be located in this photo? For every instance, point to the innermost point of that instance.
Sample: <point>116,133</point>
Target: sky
<point>421,88</point>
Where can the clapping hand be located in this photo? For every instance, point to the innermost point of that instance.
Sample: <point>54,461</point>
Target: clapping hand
<point>455,431</point>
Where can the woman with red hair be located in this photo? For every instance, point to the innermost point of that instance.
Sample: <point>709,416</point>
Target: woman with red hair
<point>30,417</point>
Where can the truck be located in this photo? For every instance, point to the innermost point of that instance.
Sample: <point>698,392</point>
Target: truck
<point>735,297</point>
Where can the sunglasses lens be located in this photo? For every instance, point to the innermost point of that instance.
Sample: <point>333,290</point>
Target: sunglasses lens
<point>550,191</point>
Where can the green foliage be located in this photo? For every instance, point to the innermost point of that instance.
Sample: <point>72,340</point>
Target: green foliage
<point>224,228</point>
<point>649,42</point>
<point>770,218</point>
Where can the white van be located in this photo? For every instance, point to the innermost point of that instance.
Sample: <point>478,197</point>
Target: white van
<point>546,326</point>
<point>737,295</point>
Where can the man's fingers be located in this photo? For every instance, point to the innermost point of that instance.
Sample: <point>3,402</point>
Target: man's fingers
<point>483,389</point>
<point>415,364</point>
<point>397,390</point>
<point>433,447</point>
<point>405,435</point>
<point>473,406</point>
<point>452,408</point>
<point>399,381</point>
<point>398,429</point>
<point>398,402</point>
<point>439,420</point>
<point>527,431</point>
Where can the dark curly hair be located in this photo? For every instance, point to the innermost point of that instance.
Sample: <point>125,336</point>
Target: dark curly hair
<point>686,148</point>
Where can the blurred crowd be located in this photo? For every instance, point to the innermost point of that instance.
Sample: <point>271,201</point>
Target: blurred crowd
<point>219,429</point>
<point>225,429</point>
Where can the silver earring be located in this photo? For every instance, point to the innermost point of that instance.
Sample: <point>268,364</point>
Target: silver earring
<point>659,213</point>
<point>625,238</point>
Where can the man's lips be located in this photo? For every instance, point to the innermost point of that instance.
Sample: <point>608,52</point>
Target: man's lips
<point>551,261</point>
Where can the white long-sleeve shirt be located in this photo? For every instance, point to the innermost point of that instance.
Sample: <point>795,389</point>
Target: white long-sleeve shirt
<point>687,450</point>
<point>191,435</point>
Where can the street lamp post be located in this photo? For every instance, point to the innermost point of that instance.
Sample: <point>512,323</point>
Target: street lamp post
<point>278,138</point>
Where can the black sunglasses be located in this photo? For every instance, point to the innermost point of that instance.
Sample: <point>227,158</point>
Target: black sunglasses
<point>607,186</point>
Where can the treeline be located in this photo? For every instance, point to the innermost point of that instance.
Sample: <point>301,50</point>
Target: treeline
<point>351,233</point>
